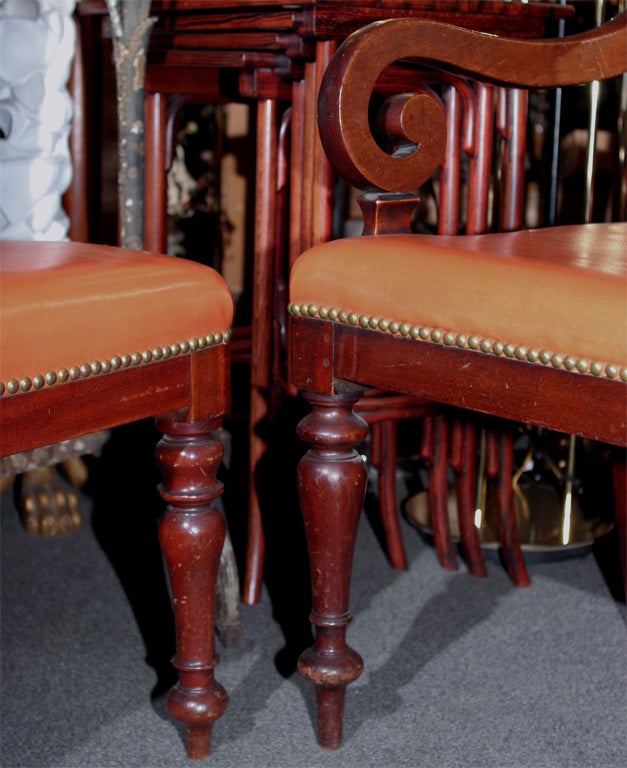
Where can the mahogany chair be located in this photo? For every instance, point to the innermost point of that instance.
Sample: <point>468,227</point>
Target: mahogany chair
<point>523,326</point>
<point>93,337</point>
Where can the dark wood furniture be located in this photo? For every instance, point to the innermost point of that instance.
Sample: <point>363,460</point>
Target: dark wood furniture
<point>524,326</point>
<point>272,55</point>
<point>93,337</point>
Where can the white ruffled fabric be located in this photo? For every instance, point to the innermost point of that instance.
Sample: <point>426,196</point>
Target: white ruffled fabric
<point>37,45</point>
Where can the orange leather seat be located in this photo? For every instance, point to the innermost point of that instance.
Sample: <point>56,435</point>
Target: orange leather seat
<point>67,305</point>
<point>458,291</point>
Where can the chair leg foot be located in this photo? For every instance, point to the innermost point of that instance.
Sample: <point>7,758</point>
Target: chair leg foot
<point>332,486</point>
<point>192,533</point>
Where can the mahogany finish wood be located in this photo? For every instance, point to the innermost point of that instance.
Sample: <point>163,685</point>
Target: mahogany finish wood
<point>274,54</point>
<point>188,393</point>
<point>332,362</point>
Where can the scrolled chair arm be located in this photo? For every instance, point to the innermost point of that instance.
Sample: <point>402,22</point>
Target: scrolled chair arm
<point>418,119</point>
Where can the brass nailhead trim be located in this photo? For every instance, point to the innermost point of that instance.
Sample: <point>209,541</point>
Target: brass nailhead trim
<point>117,362</point>
<point>475,343</point>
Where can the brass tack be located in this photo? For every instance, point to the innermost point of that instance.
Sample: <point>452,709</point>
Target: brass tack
<point>166,353</point>
<point>414,332</point>
<point>383,324</point>
<point>623,374</point>
<point>533,355</point>
<point>126,361</point>
<point>25,384</point>
<point>105,366</point>
<point>227,336</point>
<point>611,371</point>
<point>353,319</point>
<point>596,368</point>
<point>449,338</point>
<point>184,347</point>
<point>75,372</point>
<point>51,378</point>
<point>545,356</point>
<point>461,340</point>
<point>570,362</point>
<point>63,375</point>
<point>509,350</point>
<point>13,386</point>
<point>136,358</point>
<point>85,370</point>
<point>393,326</point>
<point>424,333</point>
<point>116,362</point>
<point>474,342</point>
<point>582,365</point>
<point>521,353</point>
<point>556,360</point>
<point>436,335</point>
<point>95,367</point>
<point>218,338</point>
<point>497,348</point>
<point>175,348</point>
<point>323,312</point>
<point>333,314</point>
<point>193,344</point>
<point>404,329</point>
<point>2,388</point>
<point>364,321</point>
<point>312,310</point>
<point>39,382</point>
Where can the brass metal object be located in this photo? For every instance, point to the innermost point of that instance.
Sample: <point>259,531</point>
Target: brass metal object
<point>523,353</point>
<point>552,521</point>
<point>95,368</point>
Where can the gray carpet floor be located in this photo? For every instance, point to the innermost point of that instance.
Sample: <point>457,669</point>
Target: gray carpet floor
<point>459,671</point>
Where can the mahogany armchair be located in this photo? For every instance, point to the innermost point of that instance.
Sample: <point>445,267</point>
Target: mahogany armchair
<point>524,326</point>
<point>93,337</point>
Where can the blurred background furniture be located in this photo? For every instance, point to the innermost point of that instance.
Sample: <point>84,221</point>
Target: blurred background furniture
<point>499,324</point>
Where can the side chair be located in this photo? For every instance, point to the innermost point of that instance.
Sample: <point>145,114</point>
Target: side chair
<point>93,337</point>
<point>525,326</point>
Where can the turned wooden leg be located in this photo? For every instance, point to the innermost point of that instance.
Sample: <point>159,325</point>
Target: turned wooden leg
<point>332,485</point>
<point>192,533</point>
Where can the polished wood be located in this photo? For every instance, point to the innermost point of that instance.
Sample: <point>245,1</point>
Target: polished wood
<point>188,392</point>
<point>332,362</point>
<point>277,52</point>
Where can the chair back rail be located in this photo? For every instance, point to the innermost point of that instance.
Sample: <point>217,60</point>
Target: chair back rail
<point>351,77</point>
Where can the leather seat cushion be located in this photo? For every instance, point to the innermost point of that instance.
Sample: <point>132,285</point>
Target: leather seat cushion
<point>65,304</point>
<point>561,289</point>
